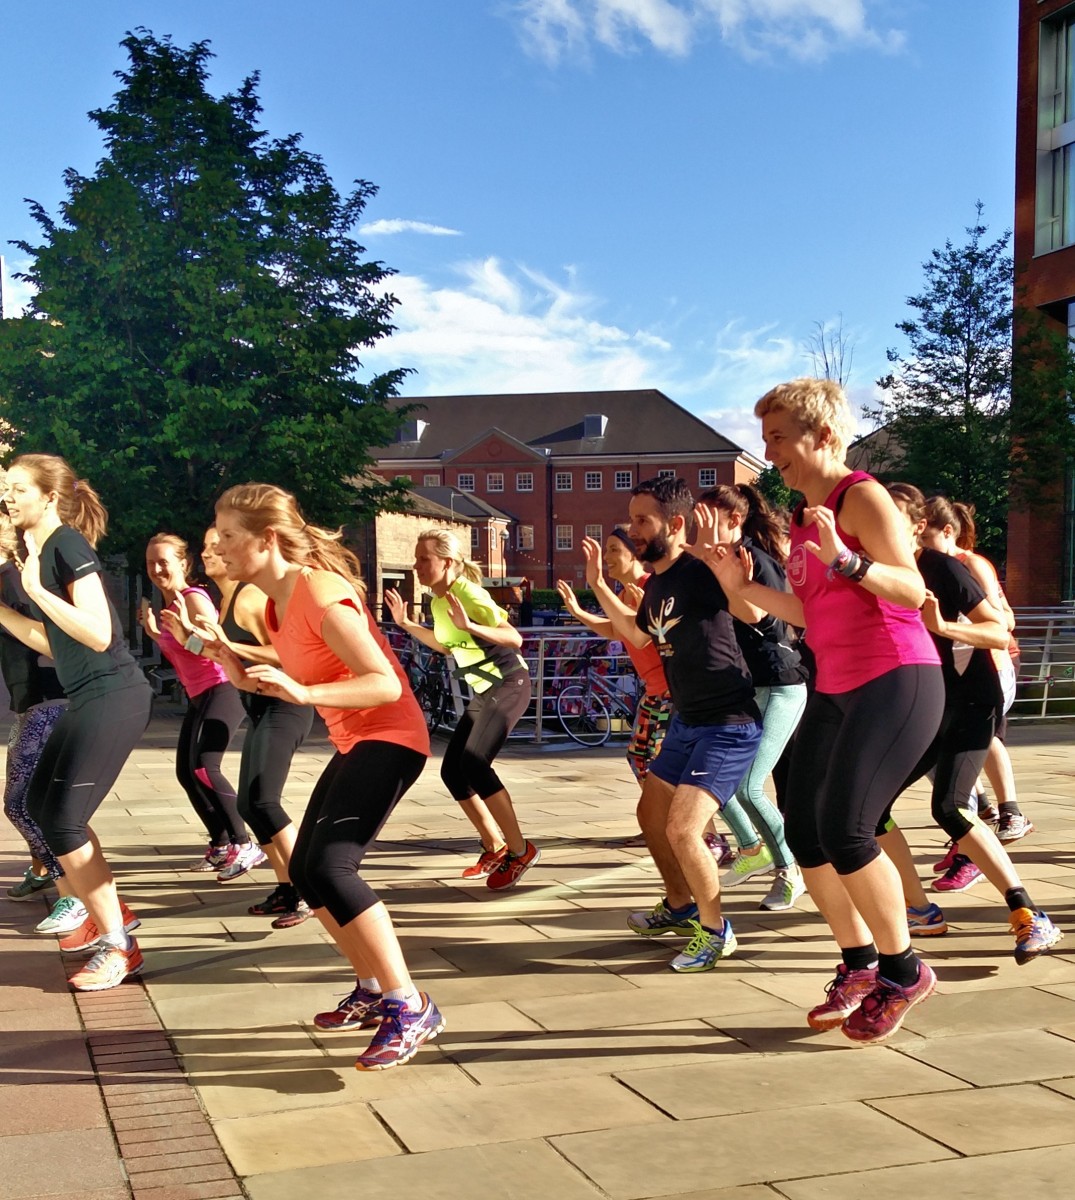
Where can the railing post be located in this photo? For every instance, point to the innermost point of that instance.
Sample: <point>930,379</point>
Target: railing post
<point>539,716</point>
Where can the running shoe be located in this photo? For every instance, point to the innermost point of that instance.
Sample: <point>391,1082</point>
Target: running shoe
<point>746,866</point>
<point>881,1013</point>
<point>719,847</point>
<point>29,885</point>
<point>67,914</point>
<point>705,949</point>
<point>960,876</point>
<point>1012,827</point>
<point>487,863</point>
<point>512,867</point>
<point>987,810</point>
<point>843,995</point>
<point>926,922</point>
<point>357,1010</point>
<point>108,968</point>
<point>942,864</point>
<point>280,900</point>
<point>85,938</point>
<point>661,919</point>
<point>787,888</point>
<point>1034,934</point>
<point>295,916</point>
<point>400,1035</point>
<point>215,858</point>
<point>241,858</point>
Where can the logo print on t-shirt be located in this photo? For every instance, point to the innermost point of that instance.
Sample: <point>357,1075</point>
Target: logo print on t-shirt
<point>797,566</point>
<point>662,624</point>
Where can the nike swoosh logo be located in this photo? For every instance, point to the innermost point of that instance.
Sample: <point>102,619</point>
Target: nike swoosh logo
<point>699,772</point>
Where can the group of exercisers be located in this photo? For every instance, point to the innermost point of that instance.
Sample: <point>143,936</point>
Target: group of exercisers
<point>900,673</point>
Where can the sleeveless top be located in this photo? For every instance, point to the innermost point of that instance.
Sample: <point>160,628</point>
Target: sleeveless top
<point>196,674</point>
<point>855,635</point>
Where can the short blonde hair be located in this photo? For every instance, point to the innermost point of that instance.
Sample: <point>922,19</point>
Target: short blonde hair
<point>447,545</point>
<point>815,404</point>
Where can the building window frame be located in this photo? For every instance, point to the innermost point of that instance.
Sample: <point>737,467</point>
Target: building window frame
<point>707,477</point>
<point>565,538</point>
<point>524,481</point>
<point>624,481</point>
<point>596,532</point>
<point>430,481</point>
<point>494,481</point>
<point>563,482</point>
<point>1054,193</point>
<point>524,537</point>
<point>465,481</point>
<point>593,481</point>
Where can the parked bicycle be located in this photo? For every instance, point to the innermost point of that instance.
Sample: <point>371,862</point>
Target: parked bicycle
<point>430,681</point>
<point>589,706</point>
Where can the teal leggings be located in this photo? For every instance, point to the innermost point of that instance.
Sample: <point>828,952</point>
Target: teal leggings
<point>750,814</point>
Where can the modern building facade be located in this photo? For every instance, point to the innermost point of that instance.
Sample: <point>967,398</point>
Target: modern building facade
<point>1040,539</point>
<point>559,465</point>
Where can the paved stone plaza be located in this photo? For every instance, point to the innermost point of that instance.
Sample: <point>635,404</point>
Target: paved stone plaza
<point>574,1064</point>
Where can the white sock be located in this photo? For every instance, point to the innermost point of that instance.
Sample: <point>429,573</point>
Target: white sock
<point>119,938</point>
<point>409,996</point>
<point>370,985</point>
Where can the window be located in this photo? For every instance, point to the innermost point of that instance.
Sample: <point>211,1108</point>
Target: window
<point>430,481</point>
<point>623,481</point>
<point>595,532</point>
<point>525,537</point>
<point>707,477</point>
<point>465,483</point>
<point>1055,202</point>
<point>565,537</point>
<point>593,481</point>
<point>406,479</point>
<point>666,473</point>
<point>475,540</point>
<point>494,481</point>
<point>524,481</point>
<point>563,481</point>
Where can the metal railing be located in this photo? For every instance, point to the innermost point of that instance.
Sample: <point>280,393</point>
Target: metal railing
<point>553,656</point>
<point>1046,670</point>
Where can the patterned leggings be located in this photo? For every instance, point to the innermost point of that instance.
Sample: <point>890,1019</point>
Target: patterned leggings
<point>29,732</point>
<point>651,724</point>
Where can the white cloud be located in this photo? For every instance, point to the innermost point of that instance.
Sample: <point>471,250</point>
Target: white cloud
<point>397,225</point>
<point>808,30</point>
<point>17,293</point>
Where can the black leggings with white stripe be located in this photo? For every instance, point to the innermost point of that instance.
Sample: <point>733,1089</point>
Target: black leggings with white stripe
<point>350,803</point>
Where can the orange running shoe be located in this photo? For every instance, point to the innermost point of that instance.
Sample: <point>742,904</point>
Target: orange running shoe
<point>84,939</point>
<point>108,968</point>
<point>487,863</point>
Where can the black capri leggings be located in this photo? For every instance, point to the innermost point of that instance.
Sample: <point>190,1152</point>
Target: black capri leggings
<point>350,803</point>
<point>81,761</point>
<point>957,756</point>
<point>211,719</point>
<point>277,729</point>
<point>853,754</point>
<point>479,737</point>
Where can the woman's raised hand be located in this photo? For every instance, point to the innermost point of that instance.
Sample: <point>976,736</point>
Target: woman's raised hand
<point>829,545</point>
<point>396,606</point>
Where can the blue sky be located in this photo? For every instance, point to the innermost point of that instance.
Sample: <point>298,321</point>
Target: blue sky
<point>590,193</point>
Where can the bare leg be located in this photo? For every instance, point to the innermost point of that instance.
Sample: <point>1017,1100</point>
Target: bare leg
<point>875,892</point>
<point>829,894</point>
<point>894,844</point>
<point>278,852</point>
<point>370,945</point>
<point>998,770</point>
<point>653,808</point>
<point>482,820</point>
<point>690,809</point>
<point>980,845</point>
<point>90,878</point>
<point>499,806</point>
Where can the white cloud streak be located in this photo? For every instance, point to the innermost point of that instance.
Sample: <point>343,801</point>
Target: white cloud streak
<point>393,225</point>
<point>805,30</point>
<point>17,293</point>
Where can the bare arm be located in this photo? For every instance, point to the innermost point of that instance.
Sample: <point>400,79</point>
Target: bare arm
<point>373,681</point>
<point>622,619</point>
<point>85,617</point>
<point>602,626</point>
<point>501,634</point>
<point>420,633</point>
<point>736,575</point>
<point>987,580</point>
<point>30,632</point>
<point>986,631</point>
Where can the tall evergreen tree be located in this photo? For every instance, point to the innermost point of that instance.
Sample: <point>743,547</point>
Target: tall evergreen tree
<point>200,309</point>
<point>947,399</point>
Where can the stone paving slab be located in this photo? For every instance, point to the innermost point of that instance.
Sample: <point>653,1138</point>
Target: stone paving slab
<point>573,1063</point>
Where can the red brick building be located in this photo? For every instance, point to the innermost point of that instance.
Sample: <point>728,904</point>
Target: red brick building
<point>560,465</point>
<point>1040,540</point>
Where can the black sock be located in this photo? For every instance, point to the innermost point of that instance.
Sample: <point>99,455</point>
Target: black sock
<point>678,911</point>
<point>1010,809</point>
<point>900,969</point>
<point>1017,897</point>
<point>860,958</point>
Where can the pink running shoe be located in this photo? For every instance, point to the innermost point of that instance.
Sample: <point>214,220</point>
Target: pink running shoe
<point>881,1013</point>
<point>942,864</point>
<point>843,995</point>
<point>960,876</point>
<point>215,858</point>
<point>719,847</point>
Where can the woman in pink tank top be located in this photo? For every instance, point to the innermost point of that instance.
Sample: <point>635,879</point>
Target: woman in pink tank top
<point>877,707</point>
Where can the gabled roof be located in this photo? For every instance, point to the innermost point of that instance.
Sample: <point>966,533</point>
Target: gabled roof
<point>640,421</point>
<point>538,455</point>
<point>462,505</point>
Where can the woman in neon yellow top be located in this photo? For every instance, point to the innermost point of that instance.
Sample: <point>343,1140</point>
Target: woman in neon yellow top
<point>473,629</point>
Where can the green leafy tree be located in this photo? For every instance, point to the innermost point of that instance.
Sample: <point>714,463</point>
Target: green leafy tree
<point>200,308</point>
<point>776,491</point>
<point>946,403</point>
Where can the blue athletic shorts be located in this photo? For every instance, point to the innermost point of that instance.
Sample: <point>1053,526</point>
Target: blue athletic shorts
<point>712,757</point>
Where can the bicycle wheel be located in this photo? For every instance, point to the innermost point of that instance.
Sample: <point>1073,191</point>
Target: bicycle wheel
<point>431,699</point>
<point>583,715</point>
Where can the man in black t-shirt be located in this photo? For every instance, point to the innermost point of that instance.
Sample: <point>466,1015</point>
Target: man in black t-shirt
<point>715,731</point>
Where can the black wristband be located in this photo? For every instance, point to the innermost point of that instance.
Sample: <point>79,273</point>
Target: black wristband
<point>859,573</point>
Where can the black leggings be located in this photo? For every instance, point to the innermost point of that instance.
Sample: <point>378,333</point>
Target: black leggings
<point>350,803</point>
<point>480,736</point>
<point>853,753</point>
<point>210,723</point>
<point>277,729</point>
<point>81,761</point>
<point>957,754</point>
